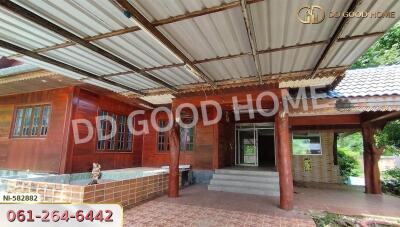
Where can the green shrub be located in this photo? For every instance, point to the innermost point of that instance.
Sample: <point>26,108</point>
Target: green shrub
<point>389,138</point>
<point>348,163</point>
<point>391,181</point>
<point>325,219</point>
<point>392,174</point>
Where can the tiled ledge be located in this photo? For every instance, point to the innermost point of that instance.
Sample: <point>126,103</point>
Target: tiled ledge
<point>124,192</point>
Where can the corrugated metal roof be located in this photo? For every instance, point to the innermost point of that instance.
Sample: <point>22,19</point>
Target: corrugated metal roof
<point>135,81</point>
<point>276,23</point>
<point>24,33</point>
<point>81,17</point>
<point>52,68</point>
<point>88,60</point>
<point>291,60</point>
<point>138,48</point>
<point>5,53</point>
<point>360,26</point>
<point>104,85</point>
<point>216,35</point>
<point>176,76</point>
<point>23,68</point>
<point>345,53</point>
<point>161,9</point>
<point>227,69</point>
<point>377,81</point>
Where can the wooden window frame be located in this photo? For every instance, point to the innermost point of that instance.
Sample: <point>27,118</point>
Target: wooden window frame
<point>166,139</point>
<point>335,148</point>
<point>40,121</point>
<point>186,144</point>
<point>115,140</point>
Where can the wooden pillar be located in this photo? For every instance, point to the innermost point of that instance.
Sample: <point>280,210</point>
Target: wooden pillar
<point>212,113</point>
<point>173,183</point>
<point>284,161</point>
<point>371,157</point>
<point>367,168</point>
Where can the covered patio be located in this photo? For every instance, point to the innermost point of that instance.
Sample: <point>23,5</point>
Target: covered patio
<point>199,207</point>
<point>150,54</point>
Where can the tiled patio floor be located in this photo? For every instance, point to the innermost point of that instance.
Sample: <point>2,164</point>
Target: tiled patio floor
<point>156,213</point>
<point>347,202</point>
<point>199,207</point>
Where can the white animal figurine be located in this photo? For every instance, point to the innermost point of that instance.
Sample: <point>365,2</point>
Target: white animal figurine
<point>96,173</point>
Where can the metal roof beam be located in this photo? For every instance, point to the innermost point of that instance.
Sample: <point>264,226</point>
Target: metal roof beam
<point>220,58</point>
<point>153,31</point>
<point>250,81</point>
<point>334,38</point>
<point>12,47</point>
<point>251,36</point>
<point>15,8</point>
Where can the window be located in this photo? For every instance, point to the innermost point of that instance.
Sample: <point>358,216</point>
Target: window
<point>162,137</point>
<point>36,120</point>
<point>122,141</point>
<point>186,139</point>
<point>45,120</point>
<point>306,144</point>
<point>31,121</point>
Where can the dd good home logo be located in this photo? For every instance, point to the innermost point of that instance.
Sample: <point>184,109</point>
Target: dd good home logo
<point>312,14</point>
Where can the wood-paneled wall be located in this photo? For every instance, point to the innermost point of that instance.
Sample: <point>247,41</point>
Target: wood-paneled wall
<point>81,156</point>
<point>36,154</point>
<point>57,153</point>
<point>203,156</point>
<point>226,143</point>
<point>213,145</point>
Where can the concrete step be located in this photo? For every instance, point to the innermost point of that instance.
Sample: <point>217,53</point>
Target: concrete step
<point>246,184</point>
<point>247,178</point>
<point>245,181</point>
<point>246,172</point>
<point>244,190</point>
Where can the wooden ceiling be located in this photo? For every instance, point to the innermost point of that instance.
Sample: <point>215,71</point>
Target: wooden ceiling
<point>34,81</point>
<point>41,80</point>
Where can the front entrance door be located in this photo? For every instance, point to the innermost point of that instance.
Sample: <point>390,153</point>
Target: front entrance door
<point>247,147</point>
<point>251,139</point>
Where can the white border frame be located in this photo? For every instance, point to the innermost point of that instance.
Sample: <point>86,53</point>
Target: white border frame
<point>320,143</point>
<point>264,125</point>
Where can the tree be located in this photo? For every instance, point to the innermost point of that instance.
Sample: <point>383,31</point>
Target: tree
<point>389,138</point>
<point>351,142</point>
<point>386,51</point>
